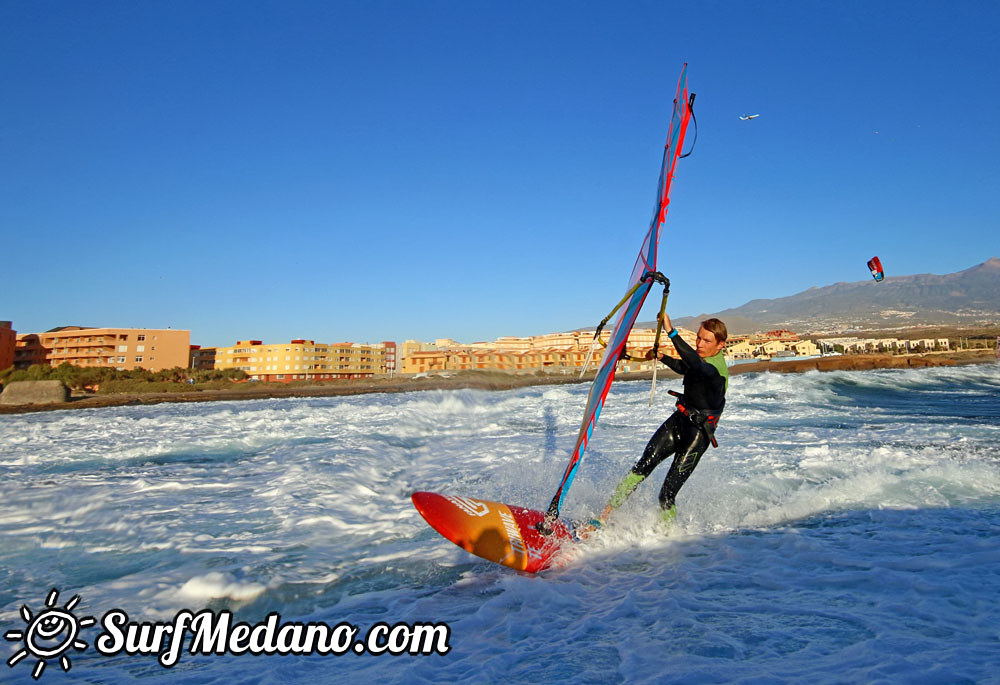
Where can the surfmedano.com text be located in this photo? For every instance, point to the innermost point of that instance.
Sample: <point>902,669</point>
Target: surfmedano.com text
<point>215,633</point>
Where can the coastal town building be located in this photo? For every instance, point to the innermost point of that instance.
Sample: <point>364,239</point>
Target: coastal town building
<point>303,360</point>
<point>554,352</point>
<point>390,356</point>
<point>516,344</point>
<point>773,344</point>
<point>8,341</point>
<point>201,358</point>
<point>28,351</point>
<point>739,349</point>
<point>459,359</point>
<point>804,348</point>
<point>117,348</point>
<point>567,352</point>
<point>855,345</point>
<point>411,346</point>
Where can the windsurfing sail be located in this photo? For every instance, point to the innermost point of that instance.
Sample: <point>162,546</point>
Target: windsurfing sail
<point>644,274</point>
<point>875,266</point>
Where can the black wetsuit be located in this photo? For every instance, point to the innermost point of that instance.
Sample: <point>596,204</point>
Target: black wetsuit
<point>682,434</point>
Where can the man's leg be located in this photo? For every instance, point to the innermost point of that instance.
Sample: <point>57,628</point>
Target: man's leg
<point>692,446</point>
<point>660,446</point>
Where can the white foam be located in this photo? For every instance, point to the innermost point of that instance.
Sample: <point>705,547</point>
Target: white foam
<point>840,523</point>
<point>217,585</point>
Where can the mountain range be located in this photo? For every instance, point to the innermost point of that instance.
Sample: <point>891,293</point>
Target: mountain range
<point>964,298</point>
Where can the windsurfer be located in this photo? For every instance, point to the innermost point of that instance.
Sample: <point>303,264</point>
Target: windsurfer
<point>689,431</point>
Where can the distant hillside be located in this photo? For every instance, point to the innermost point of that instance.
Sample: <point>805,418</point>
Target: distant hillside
<point>970,297</point>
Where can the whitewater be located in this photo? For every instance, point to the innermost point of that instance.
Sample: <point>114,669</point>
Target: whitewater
<point>846,530</point>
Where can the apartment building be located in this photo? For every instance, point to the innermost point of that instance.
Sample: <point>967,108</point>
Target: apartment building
<point>303,360</point>
<point>28,351</point>
<point>557,352</point>
<point>391,361</point>
<point>201,358</point>
<point>804,348</point>
<point>855,345</point>
<point>511,361</point>
<point>8,341</point>
<point>412,346</point>
<point>780,343</point>
<point>118,348</point>
<point>571,340</point>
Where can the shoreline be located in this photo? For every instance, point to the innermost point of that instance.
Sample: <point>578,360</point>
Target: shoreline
<point>495,380</point>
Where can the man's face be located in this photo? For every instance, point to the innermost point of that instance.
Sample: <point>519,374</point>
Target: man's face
<point>706,345</point>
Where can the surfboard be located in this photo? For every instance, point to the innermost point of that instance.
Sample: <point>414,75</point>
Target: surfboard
<point>502,533</point>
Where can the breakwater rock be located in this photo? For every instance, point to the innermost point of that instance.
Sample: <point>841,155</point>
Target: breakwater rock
<point>34,392</point>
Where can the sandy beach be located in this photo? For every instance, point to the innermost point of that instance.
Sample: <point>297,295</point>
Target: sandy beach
<point>492,380</point>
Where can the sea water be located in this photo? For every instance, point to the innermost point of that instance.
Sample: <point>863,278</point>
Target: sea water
<point>847,529</point>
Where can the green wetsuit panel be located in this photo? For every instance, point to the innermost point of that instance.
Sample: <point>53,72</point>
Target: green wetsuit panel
<point>719,362</point>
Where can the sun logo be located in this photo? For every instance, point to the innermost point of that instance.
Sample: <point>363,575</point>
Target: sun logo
<point>50,634</point>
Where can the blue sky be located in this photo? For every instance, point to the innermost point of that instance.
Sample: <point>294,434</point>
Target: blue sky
<point>366,171</point>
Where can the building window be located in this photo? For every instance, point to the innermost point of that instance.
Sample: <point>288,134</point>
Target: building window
<point>141,338</point>
<point>121,360</point>
<point>138,360</point>
<point>140,348</point>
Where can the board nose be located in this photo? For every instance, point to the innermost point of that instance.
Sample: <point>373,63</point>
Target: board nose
<point>423,500</point>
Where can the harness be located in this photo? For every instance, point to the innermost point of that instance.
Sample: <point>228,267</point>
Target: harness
<point>706,421</point>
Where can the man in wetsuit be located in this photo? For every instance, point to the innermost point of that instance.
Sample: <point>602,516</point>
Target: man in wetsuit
<point>691,429</point>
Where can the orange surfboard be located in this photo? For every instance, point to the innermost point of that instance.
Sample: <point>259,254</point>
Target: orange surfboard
<point>501,533</point>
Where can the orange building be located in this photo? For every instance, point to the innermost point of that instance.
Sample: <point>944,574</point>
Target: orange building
<point>303,360</point>
<point>202,358</point>
<point>28,351</point>
<point>119,348</point>
<point>513,356</point>
<point>8,341</point>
